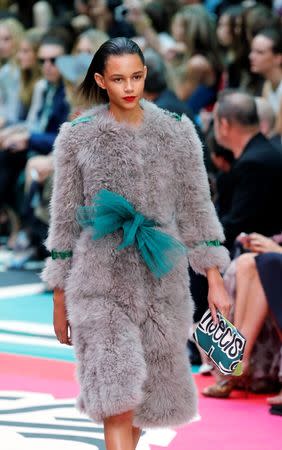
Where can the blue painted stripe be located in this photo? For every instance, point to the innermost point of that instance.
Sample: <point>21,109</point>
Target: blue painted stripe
<point>36,351</point>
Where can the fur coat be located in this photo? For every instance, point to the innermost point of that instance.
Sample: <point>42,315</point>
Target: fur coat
<point>129,329</point>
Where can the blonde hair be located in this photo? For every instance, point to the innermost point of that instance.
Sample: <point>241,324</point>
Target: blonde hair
<point>200,34</point>
<point>96,38</point>
<point>29,77</point>
<point>16,30</point>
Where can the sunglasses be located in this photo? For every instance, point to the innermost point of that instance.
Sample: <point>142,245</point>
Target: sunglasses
<point>50,60</point>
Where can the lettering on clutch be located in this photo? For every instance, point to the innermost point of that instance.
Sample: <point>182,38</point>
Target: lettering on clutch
<point>221,333</point>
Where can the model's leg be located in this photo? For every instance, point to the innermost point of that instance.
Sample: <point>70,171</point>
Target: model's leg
<point>118,432</point>
<point>245,272</point>
<point>136,433</point>
<point>255,314</point>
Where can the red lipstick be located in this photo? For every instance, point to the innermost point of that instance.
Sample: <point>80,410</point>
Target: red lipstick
<point>129,99</point>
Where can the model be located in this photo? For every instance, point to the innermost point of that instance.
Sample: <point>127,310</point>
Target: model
<point>130,195</point>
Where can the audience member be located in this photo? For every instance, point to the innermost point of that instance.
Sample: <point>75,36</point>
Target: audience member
<point>106,17</point>
<point>54,111</point>
<point>198,76</point>
<point>266,60</point>
<point>156,88</point>
<point>266,117</point>
<point>11,32</point>
<point>258,295</point>
<point>29,242</point>
<point>29,69</point>
<point>256,172</point>
<point>232,39</point>
<point>89,41</point>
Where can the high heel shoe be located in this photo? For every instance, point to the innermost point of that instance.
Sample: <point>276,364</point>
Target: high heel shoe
<point>224,387</point>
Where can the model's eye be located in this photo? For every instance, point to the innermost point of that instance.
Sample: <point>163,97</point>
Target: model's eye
<point>137,77</point>
<point>117,80</point>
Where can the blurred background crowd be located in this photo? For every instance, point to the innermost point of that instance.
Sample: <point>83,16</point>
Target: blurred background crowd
<point>220,63</point>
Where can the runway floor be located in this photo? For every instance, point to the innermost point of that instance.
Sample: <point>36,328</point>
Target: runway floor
<point>38,390</point>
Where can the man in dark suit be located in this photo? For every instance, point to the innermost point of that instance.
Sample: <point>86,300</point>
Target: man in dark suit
<point>256,173</point>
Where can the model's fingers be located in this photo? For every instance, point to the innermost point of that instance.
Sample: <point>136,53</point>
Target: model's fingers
<point>213,313</point>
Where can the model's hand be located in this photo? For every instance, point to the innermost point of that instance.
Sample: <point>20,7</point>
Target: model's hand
<point>61,324</point>
<point>218,297</point>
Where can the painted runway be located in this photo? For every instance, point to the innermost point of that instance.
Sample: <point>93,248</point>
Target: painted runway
<point>38,391</point>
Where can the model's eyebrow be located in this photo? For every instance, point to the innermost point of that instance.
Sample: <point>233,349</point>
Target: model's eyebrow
<point>134,73</point>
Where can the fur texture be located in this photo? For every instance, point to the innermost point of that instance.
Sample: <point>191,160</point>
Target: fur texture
<point>130,329</point>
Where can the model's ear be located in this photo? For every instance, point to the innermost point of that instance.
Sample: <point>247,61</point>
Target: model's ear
<point>99,80</point>
<point>145,72</point>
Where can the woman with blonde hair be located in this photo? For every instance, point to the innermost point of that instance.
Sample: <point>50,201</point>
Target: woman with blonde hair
<point>90,40</point>
<point>198,60</point>
<point>30,71</point>
<point>11,32</point>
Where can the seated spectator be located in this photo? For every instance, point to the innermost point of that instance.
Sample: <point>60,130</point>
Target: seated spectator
<point>232,39</point>
<point>221,181</point>
<point>277,138</point>
<point>11,32</point>
<point>266,117</point>
<point>89,41</point>
<point>256,171</point>
<point>29,242</point>
<point>198,76</point>
<point>105,17</point>
<point>54,110</point>
<point>156,88</point>
<point>29,70</point>
<point>266,60</point>
<point>258,295</point>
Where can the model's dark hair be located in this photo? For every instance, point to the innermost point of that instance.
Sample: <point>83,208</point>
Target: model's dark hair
<point>89,89</point>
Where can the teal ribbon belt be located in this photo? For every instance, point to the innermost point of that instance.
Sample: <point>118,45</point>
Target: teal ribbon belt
<point>111,212</point>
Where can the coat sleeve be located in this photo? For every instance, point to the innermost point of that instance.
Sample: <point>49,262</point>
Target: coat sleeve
<point>197,220</point>
<point>67,195</point>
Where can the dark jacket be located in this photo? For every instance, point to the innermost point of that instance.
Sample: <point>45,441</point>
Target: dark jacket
<point>257,186</point>
<point>168,100</point>
<point>42,142</point>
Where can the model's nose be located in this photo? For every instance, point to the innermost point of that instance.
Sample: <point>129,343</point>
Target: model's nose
<point>128,86</point>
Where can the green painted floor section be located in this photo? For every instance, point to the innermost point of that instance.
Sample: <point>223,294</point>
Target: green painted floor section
<point>32,309</point>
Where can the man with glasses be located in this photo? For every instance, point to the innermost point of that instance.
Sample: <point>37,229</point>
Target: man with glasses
<point>42,131</point>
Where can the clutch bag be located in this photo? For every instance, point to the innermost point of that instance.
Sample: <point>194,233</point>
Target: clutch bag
<point>222,342</point>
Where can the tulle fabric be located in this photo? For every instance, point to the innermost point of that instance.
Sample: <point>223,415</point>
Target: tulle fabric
<point>111,212</point>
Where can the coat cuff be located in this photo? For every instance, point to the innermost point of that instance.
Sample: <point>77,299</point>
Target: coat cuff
<point>55,272</point>
<point>204,257</point>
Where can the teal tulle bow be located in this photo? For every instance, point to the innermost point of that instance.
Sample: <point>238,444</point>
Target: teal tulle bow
<point>111,212</point>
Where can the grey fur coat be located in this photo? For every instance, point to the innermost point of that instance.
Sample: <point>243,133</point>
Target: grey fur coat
<point>129,329</point>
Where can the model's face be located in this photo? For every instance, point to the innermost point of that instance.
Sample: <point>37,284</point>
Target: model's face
<point>124,79</point>
<point>26,55</point>
<point>47,55</point>
<point>262,58</point>
<point>6,43</point>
